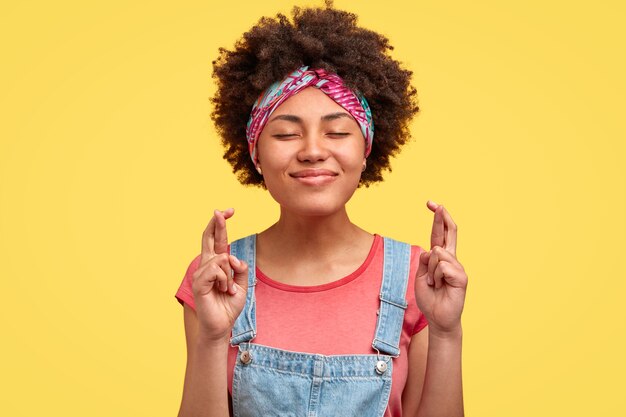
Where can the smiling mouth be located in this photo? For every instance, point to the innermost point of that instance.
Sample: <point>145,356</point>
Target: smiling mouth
<point>320,177</point>
<point>313,173</point>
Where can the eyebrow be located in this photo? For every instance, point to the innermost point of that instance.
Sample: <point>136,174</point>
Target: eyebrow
<point>297,119</point>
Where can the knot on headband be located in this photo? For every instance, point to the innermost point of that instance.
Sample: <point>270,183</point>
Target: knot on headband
<point>329,83</point>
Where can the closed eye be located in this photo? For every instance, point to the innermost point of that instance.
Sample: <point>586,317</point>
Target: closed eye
<point>284,135</point>
<point>287,135</point>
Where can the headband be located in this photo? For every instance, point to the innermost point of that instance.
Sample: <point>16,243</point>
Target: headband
<point>329,83</point>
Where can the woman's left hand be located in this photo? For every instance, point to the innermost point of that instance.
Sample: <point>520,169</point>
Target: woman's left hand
<point>441,282</point>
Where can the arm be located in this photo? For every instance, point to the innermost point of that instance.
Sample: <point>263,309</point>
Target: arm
<point>418,355</point>
<point>434,383</point>
<point>219,288</point>
<point>205,393</point>
<point>440,287</point>
<point>443,389</point>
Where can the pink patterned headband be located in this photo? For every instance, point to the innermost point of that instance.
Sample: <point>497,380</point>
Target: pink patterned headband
<point>329,83</point>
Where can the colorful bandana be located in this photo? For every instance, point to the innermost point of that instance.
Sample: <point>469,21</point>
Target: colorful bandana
<point>331,84</point>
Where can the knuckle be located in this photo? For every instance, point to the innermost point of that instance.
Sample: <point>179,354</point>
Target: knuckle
<point>213,268</point>
<point>199,272</point>
<point>222,258</point>
<point>217,273</point>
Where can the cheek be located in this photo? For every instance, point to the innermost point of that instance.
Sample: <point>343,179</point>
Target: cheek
<point>353,153</point>
<point>274,166</point>
<point>352,159</point>
<point>272,152</point>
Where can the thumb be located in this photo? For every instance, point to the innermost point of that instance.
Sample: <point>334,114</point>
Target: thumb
<point>422,269</point>
<point>240,269</point>
<point>421,276</point>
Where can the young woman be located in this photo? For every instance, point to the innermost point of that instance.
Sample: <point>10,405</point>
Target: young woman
<point>316,316</point>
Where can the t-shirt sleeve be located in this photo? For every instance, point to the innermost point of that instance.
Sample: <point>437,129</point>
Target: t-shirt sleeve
<point>185,293</point>
<point>421,321</point>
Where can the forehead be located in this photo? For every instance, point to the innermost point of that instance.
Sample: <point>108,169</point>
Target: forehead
<point>309,101</point>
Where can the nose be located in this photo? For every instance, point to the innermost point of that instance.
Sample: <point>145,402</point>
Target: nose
<point>313,149</point>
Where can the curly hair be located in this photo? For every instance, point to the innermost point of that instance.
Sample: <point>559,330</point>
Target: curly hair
<point>320,38</point>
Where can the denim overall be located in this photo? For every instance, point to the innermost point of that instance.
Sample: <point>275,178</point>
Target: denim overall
<point>272,382</point>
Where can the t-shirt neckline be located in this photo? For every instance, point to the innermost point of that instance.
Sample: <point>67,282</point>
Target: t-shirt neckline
<point>329,285</point>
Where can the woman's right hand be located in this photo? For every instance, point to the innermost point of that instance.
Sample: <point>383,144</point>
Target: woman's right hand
<point>220,284</point>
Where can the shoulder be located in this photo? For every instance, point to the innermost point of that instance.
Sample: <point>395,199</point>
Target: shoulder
<point>193,266</point>
<point>416,250</point>
<point>184,294</point>
<point>415,320</point>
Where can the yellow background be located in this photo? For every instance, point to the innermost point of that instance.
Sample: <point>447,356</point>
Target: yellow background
<point>110,169</point>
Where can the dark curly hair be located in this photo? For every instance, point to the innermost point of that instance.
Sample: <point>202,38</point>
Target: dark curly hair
<point>320,38</point>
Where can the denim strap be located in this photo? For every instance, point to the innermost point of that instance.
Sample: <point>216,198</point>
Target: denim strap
<point>396,266</point>
<point>244,329</point>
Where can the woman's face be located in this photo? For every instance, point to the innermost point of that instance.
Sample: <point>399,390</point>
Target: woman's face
<point>311,153</point>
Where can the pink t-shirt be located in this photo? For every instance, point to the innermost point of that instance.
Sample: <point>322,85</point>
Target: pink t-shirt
<point>336,318</point>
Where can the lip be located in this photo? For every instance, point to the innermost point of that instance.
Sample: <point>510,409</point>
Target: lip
<point>314,176</point>
<point>312,173</point>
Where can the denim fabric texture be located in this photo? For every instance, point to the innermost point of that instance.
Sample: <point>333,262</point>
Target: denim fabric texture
<point>268,381</point>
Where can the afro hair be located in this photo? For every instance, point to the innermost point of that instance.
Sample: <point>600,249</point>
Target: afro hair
<point>321,37</point>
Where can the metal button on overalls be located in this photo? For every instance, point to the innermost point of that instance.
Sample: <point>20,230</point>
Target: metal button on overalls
<point>381,367</point>
<point>245,357</point>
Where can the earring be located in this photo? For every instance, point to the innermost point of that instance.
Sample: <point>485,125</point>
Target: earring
<point>258,168</point>
<point>364,166</point>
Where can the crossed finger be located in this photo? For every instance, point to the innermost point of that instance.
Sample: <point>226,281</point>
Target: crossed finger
<point>221,237</point>
<point>214,237</point>
<point>216,273</point>
<point>439,262</point>
<point>444,230</point>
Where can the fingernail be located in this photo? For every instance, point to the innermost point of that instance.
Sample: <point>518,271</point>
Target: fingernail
<point>234,288</point>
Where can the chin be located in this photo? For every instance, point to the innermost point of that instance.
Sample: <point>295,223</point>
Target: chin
<point>314,205</point>
<point>313,201</point>
<point>310,211</point>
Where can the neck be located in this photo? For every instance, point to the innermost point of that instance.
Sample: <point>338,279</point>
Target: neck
<point>313,236</point>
